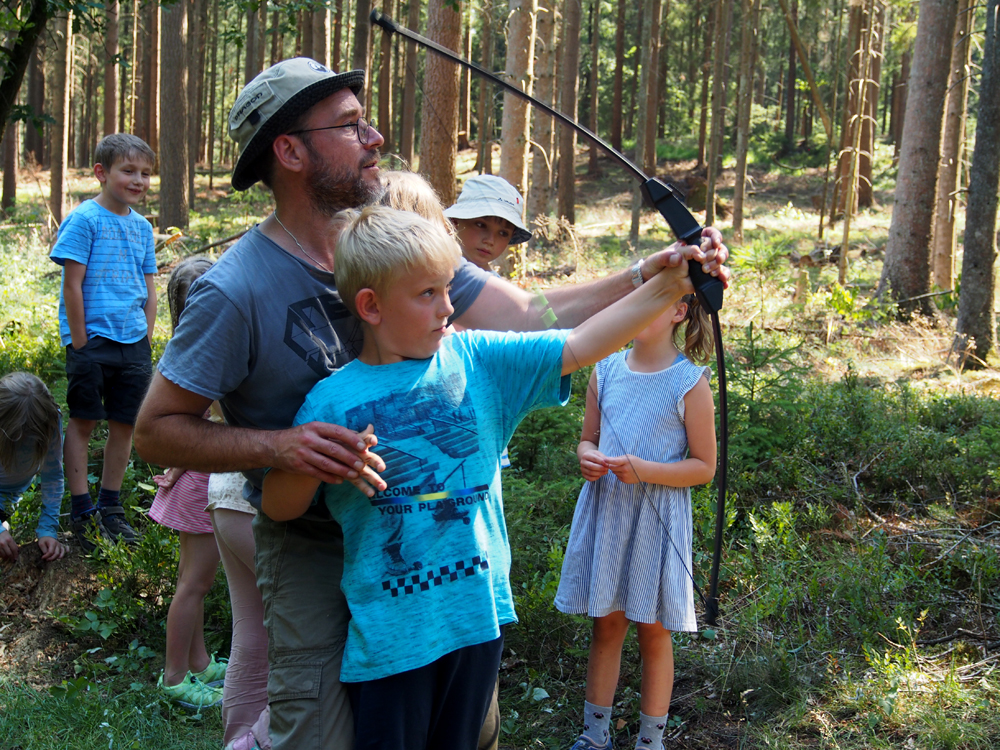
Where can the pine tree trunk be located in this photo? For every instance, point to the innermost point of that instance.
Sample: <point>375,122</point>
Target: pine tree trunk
<point>111,68</point>
<point>9,197</point>
<point>900,96</point>
<point>194,47</point>
<point>408,120</point>
<point>789,89</point>
<point>385,79</point>
<point>465,96</point>
<point>633,99</point>
<point>62,41</point>
<point>520,71</point>
<point>647,98</point>
<point>439,126</point>
<point>906,273</point>
<point>866,198</point>
<point>541,160</point>
<point>211,97</point>
<point>718,105</point>
<point>616,90</point>
<point>484,159</point>
<point>747,42</point>
<point>174,99</point>
<point>306,33</point>
<point>362,36</point>
<point>706,68</point>
<point>570,62</point>
<point>949,173</point>
<point>321,35</point>
<point>595,38</point>
<point>337,53</point>
<point>976,325</point>
<point>34,142</point>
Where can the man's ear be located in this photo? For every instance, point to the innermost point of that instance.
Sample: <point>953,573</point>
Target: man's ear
<point>289,152</point>
<point>100,173</point>
<point>367,304</point>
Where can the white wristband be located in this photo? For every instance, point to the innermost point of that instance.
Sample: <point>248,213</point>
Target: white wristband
<point>637,279</point>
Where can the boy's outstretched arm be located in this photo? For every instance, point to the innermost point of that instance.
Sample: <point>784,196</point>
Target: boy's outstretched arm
<point>612,328</point>
<point>287,496</point>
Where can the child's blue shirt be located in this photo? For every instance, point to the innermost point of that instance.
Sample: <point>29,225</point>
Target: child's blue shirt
<point>17,478</point>
<point>427,561</point>
<point>118,251</point>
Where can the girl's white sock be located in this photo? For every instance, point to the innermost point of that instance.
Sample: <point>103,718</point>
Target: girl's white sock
<point>596,720</point>
<point>650,732</point>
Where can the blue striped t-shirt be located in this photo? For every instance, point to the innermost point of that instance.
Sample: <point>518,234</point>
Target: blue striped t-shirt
<point>117,251</point>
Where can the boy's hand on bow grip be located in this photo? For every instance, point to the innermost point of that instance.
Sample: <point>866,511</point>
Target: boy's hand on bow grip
<point>330,453</point>
<point>593,465</point>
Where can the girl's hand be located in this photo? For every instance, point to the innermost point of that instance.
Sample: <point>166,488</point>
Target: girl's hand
<point>593,465</point>
<point>167,479</point>
<point>624,467</point>
<point>8,547</point>
<point>51,549</point>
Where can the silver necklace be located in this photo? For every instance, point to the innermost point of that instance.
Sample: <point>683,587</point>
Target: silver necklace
<point>299,244</point>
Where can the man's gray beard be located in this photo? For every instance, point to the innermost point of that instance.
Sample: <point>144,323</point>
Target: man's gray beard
<point>330,192</point>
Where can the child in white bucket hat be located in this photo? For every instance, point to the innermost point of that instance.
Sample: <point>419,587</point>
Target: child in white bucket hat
<point>487,217</point>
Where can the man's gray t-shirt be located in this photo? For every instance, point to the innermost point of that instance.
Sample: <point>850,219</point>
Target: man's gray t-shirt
<point>262,327</point>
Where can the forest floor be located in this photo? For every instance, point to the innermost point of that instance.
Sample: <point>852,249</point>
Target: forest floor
<point>861,575</point>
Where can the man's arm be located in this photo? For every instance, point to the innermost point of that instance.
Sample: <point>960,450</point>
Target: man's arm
<point>502,306</point>
<point>150,307</point>
<point>73,297</point>
<point>170,431</point>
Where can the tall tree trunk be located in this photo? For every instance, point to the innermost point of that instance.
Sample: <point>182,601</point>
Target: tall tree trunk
<point>62,39</point>
<point>362,36</point>
<point>566,201</point>
<point>250,58</point>
<point>465,95</point>
<point>321,35</point>
<point>337,52</point>
<point>194,77</point>
<point>616,87</point>
<point>949,173</point>
<point>976,325</point>
<point>174,99</point>
<point>906,273</point>
<point>385,79</point>
<point>34,141</point>
<point>9,197</point>
<point>439,126</point>
<point>260,44</point>
<point>19,52</point>
<point>790,89</point>
<point>900,96</point>
<point>211,96</point>
<point>520,70</point>
<point>541,161</point>
<point>857,37</point>
<point>647,99</point>
<point>866,196</point>
<point>747,42</point>
<point>111,68</point>
<point>718,116</point>
<point>595,38</point>
<point>306,33</point>
<point>484,159</point>
<point>706,68</point>
<point>408,121</point>
<point>633,99</point>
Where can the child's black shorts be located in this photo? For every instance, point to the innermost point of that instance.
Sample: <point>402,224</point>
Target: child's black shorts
<point>107,380</point>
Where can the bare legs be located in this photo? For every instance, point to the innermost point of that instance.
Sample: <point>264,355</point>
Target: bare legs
<point>76,450</point>
<point>604,664</point>
<point>245,692</point>
<point>186,618</point>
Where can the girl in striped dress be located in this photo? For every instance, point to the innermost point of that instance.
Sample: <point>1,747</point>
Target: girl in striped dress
<point>648,437</point>
<point>191,677</point>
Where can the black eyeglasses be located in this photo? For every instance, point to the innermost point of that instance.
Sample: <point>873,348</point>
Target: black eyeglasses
<point>363,127</point>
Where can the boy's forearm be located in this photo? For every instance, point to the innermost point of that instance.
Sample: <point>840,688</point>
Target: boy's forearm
<point>287,496</point>
<point>75,315</point>
<point>609,330</point>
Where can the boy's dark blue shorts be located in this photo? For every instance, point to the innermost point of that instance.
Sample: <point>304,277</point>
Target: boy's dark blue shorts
<point>107,379</point>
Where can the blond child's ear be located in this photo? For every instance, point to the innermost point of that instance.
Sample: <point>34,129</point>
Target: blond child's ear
<point>367,304</point>
<point>100,173</point>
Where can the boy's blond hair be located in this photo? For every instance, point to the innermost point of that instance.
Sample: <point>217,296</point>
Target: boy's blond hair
<point>408,191</point>
<point>120,146</point>
<point>377,245</point>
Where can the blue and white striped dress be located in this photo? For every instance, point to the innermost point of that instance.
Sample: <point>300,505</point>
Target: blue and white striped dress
<point>619,557</point>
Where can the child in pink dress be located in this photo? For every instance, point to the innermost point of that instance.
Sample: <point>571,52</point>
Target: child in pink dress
<point>191,677</point>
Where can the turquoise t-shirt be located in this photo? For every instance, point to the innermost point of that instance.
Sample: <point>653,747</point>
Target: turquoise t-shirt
<point>118,251</point>
<point>427,561</point>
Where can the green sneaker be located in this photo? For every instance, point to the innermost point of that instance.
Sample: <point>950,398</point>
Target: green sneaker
<point>190,693</point>
<point>214,674</point>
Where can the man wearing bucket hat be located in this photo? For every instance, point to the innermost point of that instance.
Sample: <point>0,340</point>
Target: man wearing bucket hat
<point>265,324</point>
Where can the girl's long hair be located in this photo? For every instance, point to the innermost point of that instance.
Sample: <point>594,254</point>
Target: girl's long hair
<point>699,343</point>
<point>181,279</point>
<point>28,414</point>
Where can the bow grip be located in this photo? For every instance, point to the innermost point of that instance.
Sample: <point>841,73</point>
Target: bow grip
<point>664,198</point>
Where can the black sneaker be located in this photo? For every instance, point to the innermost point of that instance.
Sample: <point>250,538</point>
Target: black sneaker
<point>114,523</point>
<point>88,528</point>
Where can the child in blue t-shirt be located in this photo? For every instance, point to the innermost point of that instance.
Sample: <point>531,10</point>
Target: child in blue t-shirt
<point>426,556</point>
<point>107,309</point>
